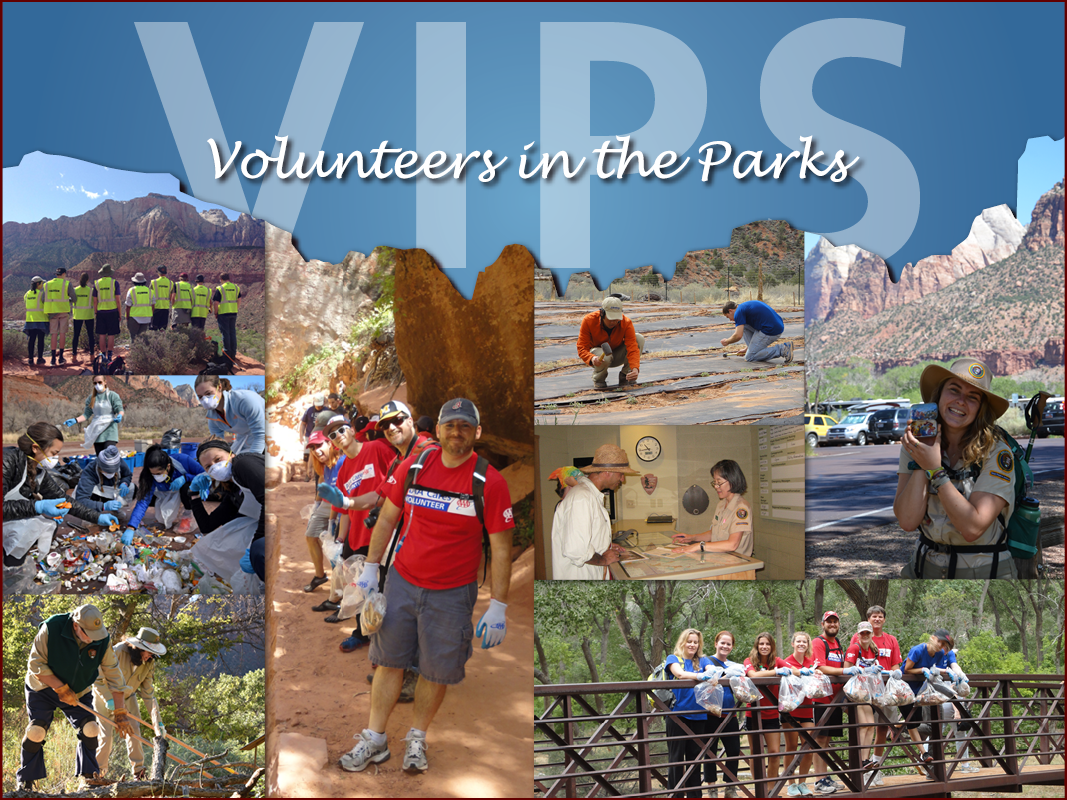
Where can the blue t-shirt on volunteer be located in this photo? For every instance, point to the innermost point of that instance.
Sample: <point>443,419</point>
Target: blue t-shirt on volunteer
<point>920,657</point>
<point>685,699</point>
<point>760,316</point>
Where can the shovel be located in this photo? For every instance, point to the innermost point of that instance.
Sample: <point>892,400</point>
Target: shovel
<point>183,744</point>
<point>111,722</point>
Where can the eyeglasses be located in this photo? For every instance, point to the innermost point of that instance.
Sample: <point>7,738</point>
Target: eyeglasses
<point>338,433</point>
<point>395,421</point>
<point>720,484</point>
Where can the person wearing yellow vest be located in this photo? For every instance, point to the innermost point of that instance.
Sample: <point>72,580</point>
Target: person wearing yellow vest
<point>183,301</point>
<point>224,303</point>
<point>106,292</point>
<point>162,289</point>
<point>84,316</point>
<point>36,326</point>
<point>201,303</point>
<point>138,306</point>
<point>58,299</point>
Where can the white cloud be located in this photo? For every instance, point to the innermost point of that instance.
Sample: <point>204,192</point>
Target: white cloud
<point>90,195</point>
<point>61,175</point>
<point>67,188</point>
<point>105,192</point>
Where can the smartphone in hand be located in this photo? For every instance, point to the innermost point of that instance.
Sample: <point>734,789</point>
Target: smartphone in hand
<point>922,420</point>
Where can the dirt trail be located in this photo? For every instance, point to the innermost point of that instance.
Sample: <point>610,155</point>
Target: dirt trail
<point>15,364</point>
<point>481,742</point>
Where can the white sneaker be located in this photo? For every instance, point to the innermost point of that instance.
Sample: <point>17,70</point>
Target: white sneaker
<point>787,347</point>
<point>415,755</point>
<point>794,790</point>
<point>365,753</point>
<point>825,786</point>
<point>877,779</point>
<point>969,766</point>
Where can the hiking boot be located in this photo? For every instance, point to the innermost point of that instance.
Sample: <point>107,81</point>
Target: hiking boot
<point>25,786</point>
<point>353,643</point>
<point>731,791</point>
<point>825,786</point>
<point>40,361</point>
<point>407,692</point>
<point>600,384</point>
<point>61,359</point>
<point>326,605</point>
<point>415,755</point>
<point>365,753</point>
<point>787,351</point>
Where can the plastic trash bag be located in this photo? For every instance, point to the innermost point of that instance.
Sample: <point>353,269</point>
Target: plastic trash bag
<point>220,551</point>
<point>247,583</point>
<point>790,693</point>
<point>929,696</point>
<point>817,686</point>
<point>19,580</point>
<point>745,691</point>
<point>373,612</point>
<point>305,512</point>
<point>864,688</point>
<point>170,583</point>
<point>168,508</point>
<point>21,535</point>
<point>896,693</point>
<point>209,586</point>
<point>962,689</point>
<point>710,696</point>
<point>352,600</point>
<point>96,426</point>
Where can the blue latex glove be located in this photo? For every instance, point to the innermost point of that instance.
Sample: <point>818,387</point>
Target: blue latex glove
<point>807,671</point>
<point>118,418</point>
<point>177,483</point>
<point>853,670</point>
<point>111,704</point>
<point>368,579</point>
<point>332,495</point>
<point>113,505</point>
<point>783,671</point>
<point>246,562</point>
<point>704,676</point>
<point>334,525</point>
<point>201,485</point>
<point>926,673</point>
<point>873,669</point>
<point>48,508</point>
<point>127,536</point>
<point>106,520</point>
<point>71,422</point>
<point>124,490</point>
<point>891,673</point>
<point>492,626</point>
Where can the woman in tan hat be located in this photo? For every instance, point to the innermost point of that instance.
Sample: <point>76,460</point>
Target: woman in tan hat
<point>958,488</point>
<point>731,531</point>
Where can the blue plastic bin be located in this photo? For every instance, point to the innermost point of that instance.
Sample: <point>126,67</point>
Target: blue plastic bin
<point>188,448</point>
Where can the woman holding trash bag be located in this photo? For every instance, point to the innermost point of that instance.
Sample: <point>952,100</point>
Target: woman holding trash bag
<point>104,408</point>
<point>32,497</point>
<point>238,522</point>
<point>687,663</point>
<point>862,657</point>
<point>159,484</point>
<point>726,729</point>
<point>731,530</point>
<point>957,488</point>
<point>105,483</point>
<point>801,717</point>
<point>237,412</point>
<point>325,460</point>
<point>763,662</point>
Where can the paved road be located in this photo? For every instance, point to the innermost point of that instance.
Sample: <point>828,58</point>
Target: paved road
<point>843,482</point>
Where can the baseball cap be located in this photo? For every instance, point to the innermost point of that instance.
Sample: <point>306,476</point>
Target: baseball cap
<point>61,270</point>
<point>36,279</point>
<point>319,398</point>
<point>944,636</point>
<point>91,621</point>
<point>318,437</point>
<point>612,308</point>
<point>392,410</point>
<point>829,614</point>
<point>322,419</point>
<point>459,408</point>
<point>162,269</point>
<point>865,626</point>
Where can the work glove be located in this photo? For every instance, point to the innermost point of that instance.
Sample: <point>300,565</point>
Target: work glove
<point>124,490</point>
<point>492,626</point>
<point>853,670</point>
<point>113,505</point>
<point>201,485</point>
<point>735,671</point>
<point>368,579</point>
<point>66,694</point>
<point>177,483</point>
<point>332,495</point>
<point>783,671</point>
<point>111,704</point>
<point>122,721</point>
<point>71,422</point>
<point>246,562</point>
<point>807,671</point>
<point>891,673</point>
<point>50,508</point>
<point>957,678</point>
<point>107,520</point>
<point>127,536</point>
<point>334,525</point>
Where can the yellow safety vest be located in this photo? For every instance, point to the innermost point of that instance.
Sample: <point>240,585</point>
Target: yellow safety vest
<point>228,305</point>
<point>83,302</point>
<point>142,302</point>
<point>105,295</point>
<point>161,288</point>
<point>185,295</point>
<point>57,296</point>
<point>34,300</point>
<point>201,301</point>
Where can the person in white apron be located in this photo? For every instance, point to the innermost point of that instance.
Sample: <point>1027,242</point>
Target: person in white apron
<point>236,526</point>
<point>233,412</point>
<point>105,484</point>
<point>161,478</point>
<point>104,408</point>
<point>32,497</point>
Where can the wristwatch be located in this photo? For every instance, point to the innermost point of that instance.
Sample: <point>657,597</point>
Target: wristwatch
<point>701,547</point>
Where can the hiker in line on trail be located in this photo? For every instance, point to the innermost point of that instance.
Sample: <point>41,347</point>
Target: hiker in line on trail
<point>581,529</point>
<point>334,402</point>
<point>106,406</point>
<point>84,316</point>
<point>448,500</point>
<point>106,292</point>
<point>201,303</point>
<point>136,656</point>
<point>36,327</point>
<point>237,412</point>
<point>105,483</point>
<point>731,530</point>
<point>760,327</point>
<point>32,497</point>
<point>224,304</point>
<point>234,531</point>
<point>162,289</point>
<point>325,462</point>
<point>138,307</point>
<point>58,299</point>
<point>183,301</point>
<point>958,488</point>
<point>609,326</point>
<point>69,652</point>
<point>307,425</point>
<point>159,485</point>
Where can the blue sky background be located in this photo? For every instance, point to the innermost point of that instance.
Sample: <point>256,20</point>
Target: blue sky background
<point>253,382</point>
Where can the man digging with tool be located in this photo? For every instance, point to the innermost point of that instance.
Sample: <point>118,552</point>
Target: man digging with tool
<point>68,653</point>
<point>137,662</point>
<point>607,339</point>
<point>760,326</point>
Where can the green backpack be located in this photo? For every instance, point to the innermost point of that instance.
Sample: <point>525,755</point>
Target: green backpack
<point>665,696</point>
<point>1024,525</point>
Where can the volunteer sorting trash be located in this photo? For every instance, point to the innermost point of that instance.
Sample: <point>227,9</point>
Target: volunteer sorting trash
<point>237,412</point>
<point>105,483</point>
<point>161,479</point>
<point>34,500</point>
<point>104,408</point>
<point>237,524</point>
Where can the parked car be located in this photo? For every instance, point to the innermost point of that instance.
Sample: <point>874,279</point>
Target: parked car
<point>1052,419</point>
<point>851,430</point>
<point>816,426</point>
<point>887,425</point>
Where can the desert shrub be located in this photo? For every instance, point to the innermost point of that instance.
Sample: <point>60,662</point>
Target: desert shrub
<point>15,344</point>
<point>174,352</point>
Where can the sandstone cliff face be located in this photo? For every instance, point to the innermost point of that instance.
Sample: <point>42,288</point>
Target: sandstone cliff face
<point>162,387</point>
<point>848,281</point>
<point>1046,221</point>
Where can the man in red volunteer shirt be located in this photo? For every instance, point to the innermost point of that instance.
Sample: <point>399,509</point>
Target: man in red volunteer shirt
<point>433,582</point>
<point>889,658</point>
<point>829,658</point>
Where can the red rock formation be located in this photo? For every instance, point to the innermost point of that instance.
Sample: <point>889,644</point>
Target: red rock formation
<point>1046,221</point>
<point>1001,362</point>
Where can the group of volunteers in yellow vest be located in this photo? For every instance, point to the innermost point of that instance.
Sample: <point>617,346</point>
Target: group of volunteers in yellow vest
<point>96,307</point>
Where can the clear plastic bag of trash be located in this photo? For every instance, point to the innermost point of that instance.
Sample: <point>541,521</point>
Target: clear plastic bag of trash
<point>170,583</point>
<point>744,690</point>
<point>897,693</point>
<point>305,512</point>
<point>353,598</point>
<point>247,583</point>
<point>817,686</point>
<point>209,586</point>
<point>372,614</point>
<point>790,693</point>
<point>709,696</point>
<point>331,549</point>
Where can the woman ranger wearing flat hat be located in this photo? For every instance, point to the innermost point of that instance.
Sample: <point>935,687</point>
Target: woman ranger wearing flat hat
<point>957,488</point>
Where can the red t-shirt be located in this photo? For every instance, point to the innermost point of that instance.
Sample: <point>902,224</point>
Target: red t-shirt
<point>360,475</point>
<point>441,537</point>
<point>888,649</point>
<point>868,658</point>
<point>768,710</point>
<point>805,712</point>
<point>827,658</point>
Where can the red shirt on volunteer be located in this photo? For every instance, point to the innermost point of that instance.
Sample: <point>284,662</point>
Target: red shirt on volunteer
<point>768,710</point>
<point>359,475</point>
<point>823,653</point>
<point>888,649</point>
<point>804,712</point>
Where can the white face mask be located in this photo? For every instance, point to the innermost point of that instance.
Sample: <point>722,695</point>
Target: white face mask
<point>159,478</point>
<point>51,462</point>
<point>210,401</point>
<point>220,471</point>
<point>108,475</point>
<point>99,387</point>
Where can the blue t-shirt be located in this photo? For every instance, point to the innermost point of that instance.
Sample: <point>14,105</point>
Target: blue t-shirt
<point>727,692</point>
<point>685,699</point>
<point>330,473</point>
<point>920,657</point>
<point>759,316</point>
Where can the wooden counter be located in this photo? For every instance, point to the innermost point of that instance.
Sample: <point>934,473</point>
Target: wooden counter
<point>713,567</point>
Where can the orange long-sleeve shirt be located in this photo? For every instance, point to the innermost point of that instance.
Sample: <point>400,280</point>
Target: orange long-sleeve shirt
<point>593,334</point>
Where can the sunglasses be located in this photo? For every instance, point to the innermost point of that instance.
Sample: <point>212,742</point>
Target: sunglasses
<point>397,421</point>
<point>338,433</point>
